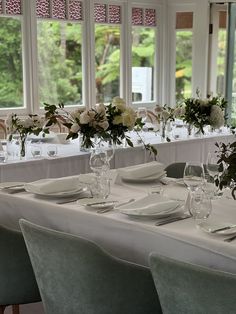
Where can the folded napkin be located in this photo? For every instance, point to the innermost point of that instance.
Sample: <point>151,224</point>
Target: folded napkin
<point>151,169</point>
<point>150,205</point>
<point>50,186</point>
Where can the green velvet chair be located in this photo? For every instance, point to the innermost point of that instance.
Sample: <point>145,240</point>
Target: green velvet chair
<point>190,289</point>
<point>75,276</point>
<point>175,170</point>
<point>17,280</point>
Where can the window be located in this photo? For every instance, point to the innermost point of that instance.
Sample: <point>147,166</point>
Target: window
<point>11,77</point>
<point>143,54</point>
<point>184,42</point>
<point>107,51</point>
<point>59,41</point>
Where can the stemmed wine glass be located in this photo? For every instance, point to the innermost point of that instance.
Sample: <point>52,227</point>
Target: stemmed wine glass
<point>194,179</point>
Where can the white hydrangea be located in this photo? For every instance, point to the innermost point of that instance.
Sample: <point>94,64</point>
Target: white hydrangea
<point>216,117</point>
<point>26,123</point>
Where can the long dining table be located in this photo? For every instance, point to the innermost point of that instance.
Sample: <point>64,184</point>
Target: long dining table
<point>70,160</point>
<point>129,238</point>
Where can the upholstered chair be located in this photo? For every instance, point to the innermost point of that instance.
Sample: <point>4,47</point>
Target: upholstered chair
<point>76,276</point>
<point>175,170</point>
<point>17,280</point>
<point>185,288</point>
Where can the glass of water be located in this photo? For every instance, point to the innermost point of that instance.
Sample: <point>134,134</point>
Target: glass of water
<point>201,206</point>
<point>36,151</point>
<point>52,151</point>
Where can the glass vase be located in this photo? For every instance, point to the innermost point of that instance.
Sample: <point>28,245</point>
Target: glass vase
<point>22,148</point>
<point>163,129</point>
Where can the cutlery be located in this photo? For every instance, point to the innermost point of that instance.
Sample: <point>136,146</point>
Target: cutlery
<point>173,219</point>
<point>105,210</point>
<point>101,203</point>
<point>230,239</point>
<point>12,186</point>
<point>223,228</point>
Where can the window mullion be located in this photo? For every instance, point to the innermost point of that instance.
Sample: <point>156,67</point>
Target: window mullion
<point>29,56</point>
<point>88,56</point>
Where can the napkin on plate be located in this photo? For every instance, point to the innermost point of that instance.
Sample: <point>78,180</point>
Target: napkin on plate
<point>152,169</point>
<point>150,205</point>
<point>50,186</point>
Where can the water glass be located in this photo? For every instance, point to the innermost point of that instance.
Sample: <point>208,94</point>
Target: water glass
<point>98,161</point>
<point>52,151</point>
<point>100,187</point>
<point>3,156</point>
<point>36,151</point>
<point>200,206</point>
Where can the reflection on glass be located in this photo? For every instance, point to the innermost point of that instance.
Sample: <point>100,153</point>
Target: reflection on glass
<point>143,53</point>
<point>59,62</point>
<point>11,78</point>
<point>107,62</point>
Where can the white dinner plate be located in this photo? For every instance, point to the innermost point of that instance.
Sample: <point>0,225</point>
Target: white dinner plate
<point>151,206</point>
<point>209,227</point>
<point>153,178</point>
<point>57,194</point>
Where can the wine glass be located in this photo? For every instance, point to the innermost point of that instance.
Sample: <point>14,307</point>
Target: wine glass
<point>200,207</point>
<point>194,179</point>
<point>212,165</point>
<point>193,175</point>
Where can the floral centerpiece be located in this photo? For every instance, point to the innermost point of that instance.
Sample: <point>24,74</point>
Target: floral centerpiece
<point>167,114</point>
<point>32,124</point>
<point>201,112</point>
<point>227,166</point>
<point>108,123</point>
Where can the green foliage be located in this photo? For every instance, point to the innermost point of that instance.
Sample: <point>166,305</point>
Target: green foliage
<point>227,164</point>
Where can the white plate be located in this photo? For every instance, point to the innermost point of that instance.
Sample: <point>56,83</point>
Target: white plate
<point>149,207</point>
<point>146,179</point>
<point>16,185</point>
<point>58,194</point>
<point>209,227</point>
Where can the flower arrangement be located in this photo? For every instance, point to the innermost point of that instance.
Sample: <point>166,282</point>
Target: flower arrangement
<point>32,124</point>
<point>167,114</point>
<point>108,123</point>
<point>227,166</point>
<point>201,112</point>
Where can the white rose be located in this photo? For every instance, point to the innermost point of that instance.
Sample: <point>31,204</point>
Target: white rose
<point>129,118</point>
<point>216,117</point>
<point>119,103</point>
<point>86,117</point>
<point>118,120</point>
<point>75,114</point>
<point>204,102</point>
<point>101,109</point>
<point>104,124</point>
<point>75,128</point>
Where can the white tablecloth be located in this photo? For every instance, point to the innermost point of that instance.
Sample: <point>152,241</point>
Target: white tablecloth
<point>71,161</point>
<point>127,238</point>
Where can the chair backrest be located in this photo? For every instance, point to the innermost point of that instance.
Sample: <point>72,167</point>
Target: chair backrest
<point>186,288</point>
<point>175,170</point>
<point>76,276</point>
<point>17,280</point>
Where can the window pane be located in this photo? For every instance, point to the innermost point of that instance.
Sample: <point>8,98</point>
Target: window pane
<point>142,63</point>
<point>184,43</point>
<point>59,62</point>
<point>107,62</point>
<point>11,78</point>
<point>222,37</point>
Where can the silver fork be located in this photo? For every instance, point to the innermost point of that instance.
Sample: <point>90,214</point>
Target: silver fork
<point>230,239</point>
